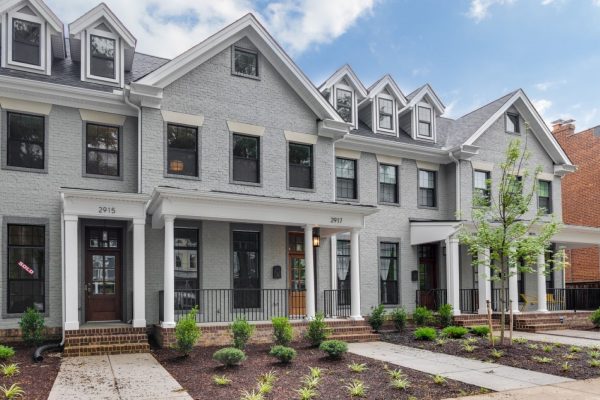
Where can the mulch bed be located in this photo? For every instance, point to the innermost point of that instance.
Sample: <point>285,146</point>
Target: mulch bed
<point>36,379</point>
<point>519,355</point>
<point>195,374</point>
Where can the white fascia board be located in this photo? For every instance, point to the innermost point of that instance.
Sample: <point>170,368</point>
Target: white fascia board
<point>45,12</point>
<point>96,13</point>
<point>345,71</point>
<point>394,149</point>
<point>333,129</point>
<point>432,231</point>
<point>434,99</point>
<point>62,95</point>
<point>387,80</point>
<point>575,234</point>
<point>145,96</point>
<point>99,204</point>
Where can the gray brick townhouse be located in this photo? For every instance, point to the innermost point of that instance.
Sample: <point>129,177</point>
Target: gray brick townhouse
<point>134,187</point>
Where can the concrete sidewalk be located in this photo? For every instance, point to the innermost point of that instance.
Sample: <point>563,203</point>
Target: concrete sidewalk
<point>488,375</point>
<point>116,377</point>
<point>579,390</point>
<point>568,337</point>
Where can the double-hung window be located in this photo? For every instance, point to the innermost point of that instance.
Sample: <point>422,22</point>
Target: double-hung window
<point>246,158</point>
<point>26,268</point>
<point>26,42</point>
<point>386,113</point>
<point>102,57</point>
<point>427,188</point>
<point>345,173</point>
<point>424,114</point>
<point>388,183</point>
<point>481,188</point>
<point>545,196</point>
<point>182,150</point>
<point>25,141</point>
<point>301,165</point>
<point>343,100</point>
<point>245,62</point>
<point>388,273</point>
<point>512,123</point>
<point>102,149</point>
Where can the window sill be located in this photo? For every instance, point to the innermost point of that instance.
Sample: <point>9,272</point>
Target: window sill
<point>427,207</point>
<point>299,189</point>
<point>97,176</point>
<point>385,203</point>
<point>256,78</point>
<point>513,133</point>
<point>342,199</point>
<point>184,177</point>
<point>25,169</point>
<point>243,183</point>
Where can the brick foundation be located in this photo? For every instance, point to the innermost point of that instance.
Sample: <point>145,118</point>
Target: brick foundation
<point>14,335</point>
<point>100,341</point>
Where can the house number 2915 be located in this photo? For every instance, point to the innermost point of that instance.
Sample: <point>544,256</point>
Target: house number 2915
<point>336,220</point>
<point>106,210</point>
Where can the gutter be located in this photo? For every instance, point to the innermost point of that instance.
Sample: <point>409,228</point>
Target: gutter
<point>139,138</point>
<point>62,270</point>
<point>457,183</point>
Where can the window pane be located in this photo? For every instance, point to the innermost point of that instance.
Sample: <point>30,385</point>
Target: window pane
<point>300,168</point>
<point>480,180</point>
<point>344,168</point>
<point>385,113</point>
<point>25,141</point>
<point>102,56</point>
<point>102,144</point>
<point>385,106</point>
<point>102,137</point>
<point>186,264</point>
<point>424,114</point>
<point>346,178</point>
<point>182,150</point>
<point>246,269</point>
<point>300,154</point>
<point>387,173</point>
<point>245,146</point>
<point>344,104</point>
<point>102,163</point>
<point>385,121</point>
<point>246,62</point>
<point>388,272</point>
<point>425,129</point>
<point>512,123</point>
<point>26,42</point>
<point>426,179</point>
<point>246,159</point>
<point>343,270</point>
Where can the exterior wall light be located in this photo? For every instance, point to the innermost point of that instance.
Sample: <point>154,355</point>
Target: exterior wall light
<point>316,237</point>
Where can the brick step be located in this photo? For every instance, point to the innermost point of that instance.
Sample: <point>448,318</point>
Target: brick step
<point>105,331</point>
<point>351,329</point>
<point>355,338</point>
<point>106,349</point>
<point>539,327</point>
<point>84,340</point>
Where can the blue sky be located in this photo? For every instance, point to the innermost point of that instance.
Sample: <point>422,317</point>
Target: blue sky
<point>470,51</point>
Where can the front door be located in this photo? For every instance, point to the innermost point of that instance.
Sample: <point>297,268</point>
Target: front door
<point>103,274</point>
<point>296,274</point>
<point>428,295</point>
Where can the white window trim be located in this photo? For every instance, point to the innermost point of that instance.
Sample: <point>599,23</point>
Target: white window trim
<point>43,48</point>
<point>506,117</point>
<point>353,101</point>
<point>88,55</point>
<point>394,116</point>
<point>417,121</point>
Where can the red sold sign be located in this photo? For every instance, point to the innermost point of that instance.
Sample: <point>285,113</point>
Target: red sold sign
<point>25,267</point>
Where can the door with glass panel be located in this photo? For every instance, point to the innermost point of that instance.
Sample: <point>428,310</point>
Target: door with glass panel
<point>296,274</point>
<point>103,274</point>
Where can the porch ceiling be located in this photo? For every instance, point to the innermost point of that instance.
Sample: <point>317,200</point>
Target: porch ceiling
<point>574,236</point>
<point>432,231</point>
<point>257,209</point>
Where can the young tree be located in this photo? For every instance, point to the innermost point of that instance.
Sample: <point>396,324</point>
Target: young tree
<point>506,225</point>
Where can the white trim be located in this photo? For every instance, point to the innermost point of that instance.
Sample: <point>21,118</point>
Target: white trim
<point>12,15</point>
<point>388,159</point>
<point>88,56</point>
<point>183,119</point>
<point>393,115</point>
<point>433,97</point>
<point>545,176</point>
<point>432,231</point>
<point>482,166</point>
<point>354,109</point>
<point>25,106</point>
<point>428,166</point>
<point>350,154</point>
<point>246,129</point>
<point>417,119</point>
<point>39,6</point>
<point>341,73</point>
<point>381,84</point>
<point>94,15</point>
<point>300,137</point>
<point>102,118</point>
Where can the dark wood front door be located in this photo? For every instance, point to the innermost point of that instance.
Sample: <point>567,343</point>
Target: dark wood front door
<point>296,274</point>
<point>103,255</point>
<point>428,277</point>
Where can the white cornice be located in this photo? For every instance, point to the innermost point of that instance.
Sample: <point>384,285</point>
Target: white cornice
<point>94,15</point>
<point>345,71</point>
<point>41,7</point>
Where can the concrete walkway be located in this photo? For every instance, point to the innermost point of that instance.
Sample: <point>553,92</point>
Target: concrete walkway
<point>579,390</point>
<point>567,337</point>
<point>123,376</point>
<point>488,375</point>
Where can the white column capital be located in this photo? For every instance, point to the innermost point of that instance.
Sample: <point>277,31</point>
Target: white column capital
<point>71,218</point>
<point>139,221</point>
<point>168,218</point>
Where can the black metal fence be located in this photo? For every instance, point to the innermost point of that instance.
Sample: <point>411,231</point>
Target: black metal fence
<point>337,303</point>
<point>497,302</point>
<point>226,305</point>
<point>576,299</point>
<point>469,301</point>
<point>431,298</point>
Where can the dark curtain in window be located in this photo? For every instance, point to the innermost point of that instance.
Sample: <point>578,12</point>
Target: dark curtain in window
<point>388,273</point>
<point>343,271</point>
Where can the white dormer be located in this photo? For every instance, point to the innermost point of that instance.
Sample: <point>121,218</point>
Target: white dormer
<point>102,45</point>
<point>380,107</point>
<point>344,91</point>
<point>420,114</point>
<point>32,35</point>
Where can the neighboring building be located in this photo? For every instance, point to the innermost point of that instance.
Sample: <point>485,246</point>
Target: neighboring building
<point>134,187</point>
<point>581,192</point>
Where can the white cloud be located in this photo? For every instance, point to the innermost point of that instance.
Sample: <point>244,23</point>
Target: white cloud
<point>543,86</point>
<point>479,9</point>
<point>167,28</point>
<point>542,105</point>
<point>596,3</point>
<point>450,109</point>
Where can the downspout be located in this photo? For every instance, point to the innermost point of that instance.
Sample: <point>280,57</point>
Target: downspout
<point>139,138</point>
<point>457,183</point>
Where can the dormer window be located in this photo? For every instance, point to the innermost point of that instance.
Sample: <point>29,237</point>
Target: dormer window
<point>26,42</point>
<point>102,57</point>
<point>344,103</point>
<point>512,123</point>
<point>386,117</point>
<point>424,126</point>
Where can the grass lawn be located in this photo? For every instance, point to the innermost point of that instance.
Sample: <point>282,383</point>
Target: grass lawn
<point>36,379</point>
<point>195,373</point>
<point>556,359</point>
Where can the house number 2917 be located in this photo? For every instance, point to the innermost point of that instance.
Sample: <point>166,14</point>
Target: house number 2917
<point>106,210</point>
<point>336,220</point>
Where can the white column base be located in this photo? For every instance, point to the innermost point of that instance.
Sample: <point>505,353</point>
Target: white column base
<point>138,323</point>
<point>71,325</point>
<point>356,318</point>
<point>167,324</point>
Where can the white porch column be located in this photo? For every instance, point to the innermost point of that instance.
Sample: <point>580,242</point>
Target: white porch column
<point>452,274</point>
<point>333,299</point>
<point>169,274</point>
<point>513,290</point>
<point>71,270</point>
<point>355,276</point>
<point>541,283</point>
<point>483,277</point>
<point>139,273</point>
<point>309,272</point>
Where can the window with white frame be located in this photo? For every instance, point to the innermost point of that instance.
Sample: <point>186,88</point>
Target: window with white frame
<point>425,128</point>
<point>27,39</point>
<point>103,55</point>
<point>385,108</point>
<point>512,123</point>
<point>343,102</point>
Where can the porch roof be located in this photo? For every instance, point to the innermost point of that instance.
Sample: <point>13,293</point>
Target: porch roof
<point>429,231</point>
<point>574,236</point>
<point>250,208</point>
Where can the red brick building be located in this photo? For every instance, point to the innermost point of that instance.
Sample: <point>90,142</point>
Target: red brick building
<point>581,198</point>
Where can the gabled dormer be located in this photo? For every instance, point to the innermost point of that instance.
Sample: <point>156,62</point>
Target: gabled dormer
<point>344,91</point>
<point>380,108</point>
<point>32,36</point>
<point>102,45</point>
<point>418,117</point>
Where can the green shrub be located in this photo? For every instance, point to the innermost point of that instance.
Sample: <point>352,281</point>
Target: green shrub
<point>187,332</point>
<point>480,330</point>
<point>317,330</point>
<point>282,331</point>
<point>595,318</point>
<point>221,380</point>
<point>242,332</point>
<point>399,318</point>
<point>445,315</point>
<point>377,316</point>
<point>455,332</point>
<point>229,356</point>
<point>6,352</point>
<point>425,333</point>
<point>334,348</point>
<point>422,316</point>
<point>282,353</point>
<point>32,327</point>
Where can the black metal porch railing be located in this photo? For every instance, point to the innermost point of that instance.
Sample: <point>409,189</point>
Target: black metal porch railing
<point>336,303</point>
<point>226,305</point>
<point>575,299</point>
<point>431,298</point>
<point>497,303</point>
<point>469,301</point>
